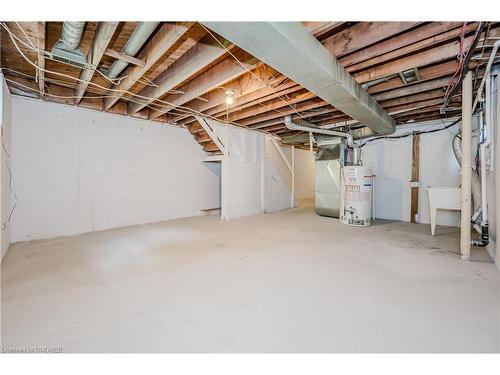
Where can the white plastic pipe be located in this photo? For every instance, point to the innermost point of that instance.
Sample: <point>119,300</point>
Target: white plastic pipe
<point>486,73</point>
<point>482,158</point>
<point>466,171</point>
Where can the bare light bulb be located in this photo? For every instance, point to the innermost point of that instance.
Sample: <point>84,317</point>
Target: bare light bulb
<point>229,97</point>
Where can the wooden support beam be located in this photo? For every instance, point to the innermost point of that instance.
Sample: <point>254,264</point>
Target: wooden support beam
<point>420,45</point>
<point>254,93</point>
<point>427,73</point>
<point>415,177</point>
<point>102,37</point>
<point>225,71</point>
<point>204,53</point>
<point>40,41</point>
<point>398,42</point>
<point>272,105</point>
<point>320,29</point>
<point>364,34</point>
<point>427,57</point>
<point>161,42</point>
<point>315,103</point>
<point>290,49</point>
<point>412,93</point>
<point>413,88</point>
<point>121,56</point>
<point>432,78</point>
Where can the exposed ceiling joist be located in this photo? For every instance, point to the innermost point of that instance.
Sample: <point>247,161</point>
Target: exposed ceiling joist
<point>161,42</point>
<point>398,42</point>
<point>429,56</point>
<point>292,50</point>
<point>320,29</point>
<point>412,48</point>
<point>121,56</point>
<point>225,71</point>
<point>250,91</point>
<point>364,34</point>
<point>103,35</point>
<point>204,53</point>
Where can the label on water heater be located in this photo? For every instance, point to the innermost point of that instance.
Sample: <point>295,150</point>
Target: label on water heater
<point>356,196</point>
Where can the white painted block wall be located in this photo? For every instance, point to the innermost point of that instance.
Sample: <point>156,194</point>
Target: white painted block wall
<point>392,161</point>
<point>6,199</point>
<point>77,170</point>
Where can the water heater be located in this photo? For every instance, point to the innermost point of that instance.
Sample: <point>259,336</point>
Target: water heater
<point>356,195</point>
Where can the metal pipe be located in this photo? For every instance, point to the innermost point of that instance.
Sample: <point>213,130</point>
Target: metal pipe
<point>140,35</point>
<point>486,73</point>
<point>466,170</point>
<point>290,125</point>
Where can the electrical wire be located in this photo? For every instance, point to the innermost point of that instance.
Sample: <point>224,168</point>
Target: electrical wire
<point>7,163</point>
<point>250,72</point>
<point>411,133</point>
<point>152,106</point>
<point>118,80</point>
<point>181,109</point>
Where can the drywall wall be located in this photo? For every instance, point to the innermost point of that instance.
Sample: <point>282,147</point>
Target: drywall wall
<point>280,180</point>
<point>242,170</point>
<point>6,199</point>
<point>438,167</point>
<point>278,177</point>
<point>392,161</point>
<point>255,177</point>
<point>304,172</point>
<point>77,170</point>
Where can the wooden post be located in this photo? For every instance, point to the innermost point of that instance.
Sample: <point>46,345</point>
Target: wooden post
<point>415,178</point>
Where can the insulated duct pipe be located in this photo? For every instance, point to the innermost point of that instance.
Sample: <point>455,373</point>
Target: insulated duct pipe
<point>140,35</point>
<point>67,48</point>
<point>72,34</point>
<point>290,125</point>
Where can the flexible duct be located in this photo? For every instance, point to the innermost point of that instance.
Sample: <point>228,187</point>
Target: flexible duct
<point>72,34</point>
<point>140,35</point>
<point>67,47</point>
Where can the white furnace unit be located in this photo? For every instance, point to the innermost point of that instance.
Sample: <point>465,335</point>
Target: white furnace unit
<point>356,195</point>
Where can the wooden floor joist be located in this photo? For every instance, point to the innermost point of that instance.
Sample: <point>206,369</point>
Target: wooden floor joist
<point>193,71</point>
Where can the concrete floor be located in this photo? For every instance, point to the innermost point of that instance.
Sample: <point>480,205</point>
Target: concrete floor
<point>285,282</point>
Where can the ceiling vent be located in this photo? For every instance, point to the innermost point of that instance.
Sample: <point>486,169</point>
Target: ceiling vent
<point>67,49</point>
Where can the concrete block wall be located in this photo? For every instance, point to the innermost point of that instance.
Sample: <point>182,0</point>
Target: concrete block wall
<point>392,161</point>
<point>77,170</point>
<point>6,201</point>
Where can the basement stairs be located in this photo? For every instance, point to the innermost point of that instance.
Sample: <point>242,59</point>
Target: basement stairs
<point>203,138</point>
